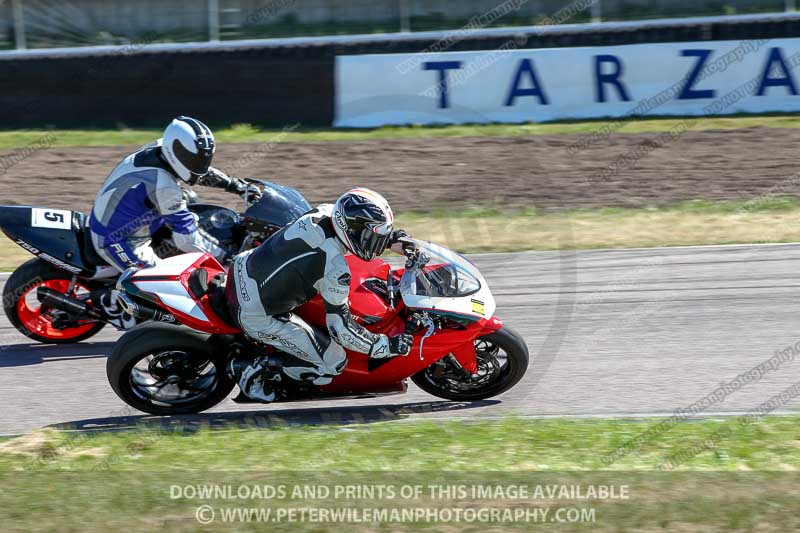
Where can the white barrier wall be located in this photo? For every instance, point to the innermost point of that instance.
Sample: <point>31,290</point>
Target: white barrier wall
<point>516,85</point>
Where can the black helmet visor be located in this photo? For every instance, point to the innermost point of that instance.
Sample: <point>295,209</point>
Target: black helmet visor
<point>372,244</point>
<point>197,163</point>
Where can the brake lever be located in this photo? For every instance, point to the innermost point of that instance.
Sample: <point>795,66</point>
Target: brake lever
<point>431,325</point>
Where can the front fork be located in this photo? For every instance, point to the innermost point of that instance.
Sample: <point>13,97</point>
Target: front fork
<point>465,355</point>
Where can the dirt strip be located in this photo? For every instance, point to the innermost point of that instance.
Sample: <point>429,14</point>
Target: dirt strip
<point>421,174</point>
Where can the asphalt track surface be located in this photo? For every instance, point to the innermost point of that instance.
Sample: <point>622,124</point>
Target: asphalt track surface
<point>611,333</point>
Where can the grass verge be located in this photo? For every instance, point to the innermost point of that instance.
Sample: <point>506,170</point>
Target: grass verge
<point>149,479</point>
<point>765,220</point>
<point>10,139</point>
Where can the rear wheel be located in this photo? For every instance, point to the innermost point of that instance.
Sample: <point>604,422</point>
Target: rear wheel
<point>26,313</point>
<point>502,361</point>
<point>166,370</point>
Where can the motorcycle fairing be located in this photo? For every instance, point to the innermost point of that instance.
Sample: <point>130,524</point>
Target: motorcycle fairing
<point>279,206</point>
<point>472,302</point>
<point>167,284</point>
<point>219,222</point>
<point>363,374</point>
<point>366,306</point>
<point>55,235</point>
<point>360,376</point>
<point>61,236</point>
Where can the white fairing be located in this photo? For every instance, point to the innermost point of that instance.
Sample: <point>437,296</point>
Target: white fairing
<point>448,282</point>
<point>171,266</point>
<point>171,292</point>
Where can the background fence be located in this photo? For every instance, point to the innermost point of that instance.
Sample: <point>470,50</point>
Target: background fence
<point>66,23</point>
<point>267,84</point>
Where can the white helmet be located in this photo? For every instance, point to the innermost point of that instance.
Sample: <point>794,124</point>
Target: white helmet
<point>363,221</point>
<point>188,147</point>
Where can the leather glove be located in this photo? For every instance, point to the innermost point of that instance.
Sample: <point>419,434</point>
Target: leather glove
<point>400,242</point>
<point>412,256</point>
<point>216,178</point>
<point>251,193</point>
<point>400,344</point>
<point>397,235</point>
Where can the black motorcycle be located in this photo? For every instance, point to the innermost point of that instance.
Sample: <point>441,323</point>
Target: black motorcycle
<point>64,294</point>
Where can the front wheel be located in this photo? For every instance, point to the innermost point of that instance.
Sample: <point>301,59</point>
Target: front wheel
<point>30,317</point>
<point>502,361</point>
<point>163,369</point>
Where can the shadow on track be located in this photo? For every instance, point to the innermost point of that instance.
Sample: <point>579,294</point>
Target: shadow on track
<point>36,354</point>
<point>274,417</point>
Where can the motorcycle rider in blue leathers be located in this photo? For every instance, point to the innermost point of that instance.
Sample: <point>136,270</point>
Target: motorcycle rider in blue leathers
<point>142,194</point>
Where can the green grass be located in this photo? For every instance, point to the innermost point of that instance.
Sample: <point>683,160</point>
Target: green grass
<point>10,139</point>
<point>509,445</point>
<point>52,480</point>
<point>766,219</point>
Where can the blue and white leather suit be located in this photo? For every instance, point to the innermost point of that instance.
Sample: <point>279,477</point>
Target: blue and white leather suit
<point>140,196</point>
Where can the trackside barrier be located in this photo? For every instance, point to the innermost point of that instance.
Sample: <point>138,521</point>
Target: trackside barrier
<point>272,83</point>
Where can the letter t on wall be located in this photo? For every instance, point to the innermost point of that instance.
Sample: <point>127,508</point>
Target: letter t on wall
<point>442,67</point>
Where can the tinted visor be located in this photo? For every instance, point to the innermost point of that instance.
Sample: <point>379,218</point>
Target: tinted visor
<point>196,163</point>
<point>372,244</point>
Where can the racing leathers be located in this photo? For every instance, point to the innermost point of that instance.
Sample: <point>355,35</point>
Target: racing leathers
<point>300,261</point>
<point>141,195</point>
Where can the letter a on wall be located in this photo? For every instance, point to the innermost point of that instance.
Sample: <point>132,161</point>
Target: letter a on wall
<point>525,70</point>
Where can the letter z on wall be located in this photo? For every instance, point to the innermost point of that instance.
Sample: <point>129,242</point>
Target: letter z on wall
<point>565,83</point>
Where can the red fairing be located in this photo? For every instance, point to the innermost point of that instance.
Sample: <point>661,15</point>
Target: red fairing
<point>362,374</point>
<point>214,324</point>
<point>363,302</point>
<point>206,320</point>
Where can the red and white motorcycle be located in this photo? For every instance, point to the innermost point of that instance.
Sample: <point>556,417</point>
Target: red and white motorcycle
<point>462,352</point>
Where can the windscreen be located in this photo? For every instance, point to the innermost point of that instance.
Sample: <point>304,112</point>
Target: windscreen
<point>445,274</point>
